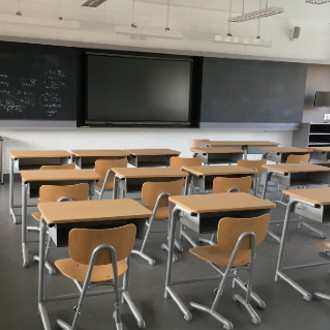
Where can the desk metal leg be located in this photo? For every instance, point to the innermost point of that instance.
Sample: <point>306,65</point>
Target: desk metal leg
<point>126,297</point>
<point>115,187</point>
<point>25,251</point>
<point>41,279</point>
<point>168,290</point>
<point>11,191</point>
<point>306,295</point>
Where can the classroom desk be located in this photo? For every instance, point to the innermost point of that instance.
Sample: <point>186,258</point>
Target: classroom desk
<point>249,147</point>
<point>280,154</point>
<point>151,157</point>
<point>202,177</point>
<point>86,158</point>
<point>320,154</point>
<point>314,204</point>
<point>32,180</point>
<point>296,174</point>
<point>202,214</point>
<point>30,160</point>
<point>61,217</point>
<point>218,155</point>
<point>131,179</point>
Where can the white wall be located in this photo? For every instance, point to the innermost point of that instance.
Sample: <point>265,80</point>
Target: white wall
<point>89,138</point>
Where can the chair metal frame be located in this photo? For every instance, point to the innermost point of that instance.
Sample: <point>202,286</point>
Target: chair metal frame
<point>232,272</point>
<point>161,197</point>
<point>121,293</point>
<point>112,163</point>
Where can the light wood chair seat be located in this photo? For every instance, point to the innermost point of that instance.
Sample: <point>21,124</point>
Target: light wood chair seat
<point>216,255</point>
<point>303,158</point>
<point>77,271</point>
<point>70,166</point>
<point>324,246</point>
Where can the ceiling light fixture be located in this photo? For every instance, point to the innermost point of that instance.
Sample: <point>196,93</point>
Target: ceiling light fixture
<point>92,3</point>
<point>53,23</point>
<point>136,32</point>
<point>317,2</point>
<point>242,40</point>
<point>257,14</point>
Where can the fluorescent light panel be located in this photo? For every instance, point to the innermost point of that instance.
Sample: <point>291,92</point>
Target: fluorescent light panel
<point>262,13</point>
<point>92,3</point>
<point>317,2</point>
<point>244,41</point>
<point>148,33</point>
<point>56,23</point>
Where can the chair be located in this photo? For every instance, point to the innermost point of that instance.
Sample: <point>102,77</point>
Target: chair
<point>257,166</point>
<point>178,162</point>
<point>235,251</point>
<point>225,184</point>
<point>103,168</point>
<point>53,193</point>
<point>70,166</point>
<point>154,196</point>
<point>324,246</point>
<point>303,158</point>
<point>97,256</point>
<point>195,143</point>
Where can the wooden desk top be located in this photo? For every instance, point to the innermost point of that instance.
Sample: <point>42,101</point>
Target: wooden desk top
<point>99,153</point>
<point>218,170</point>
<point>239,143</point>
<point>56,175</point>
<point>220,202</point>
<point>98,210</point>
<point>320,196</point>
<point>218,150</point>
<point>146,172</point>
<point>296,168</point>
<point>21,154</point>
<point>286,150</point>
<point>322,149</point>
<point>153,152</point>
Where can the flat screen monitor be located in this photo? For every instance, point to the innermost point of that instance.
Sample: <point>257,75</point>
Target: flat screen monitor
<point>138,90</point>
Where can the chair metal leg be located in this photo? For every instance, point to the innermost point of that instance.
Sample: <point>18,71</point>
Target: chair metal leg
<point>320,233</point>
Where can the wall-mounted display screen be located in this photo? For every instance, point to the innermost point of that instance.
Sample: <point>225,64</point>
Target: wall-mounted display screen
<point>129,90</point>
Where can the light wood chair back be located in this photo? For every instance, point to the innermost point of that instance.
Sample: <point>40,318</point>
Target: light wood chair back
<point>102,166</point>
<point>82,242</point>
<point>53,193</point>
<point>292,158</point>
<point>256,165</point>
<point>70,166</point>
<point>224,184</point>
<point>151,191</point>
<point>229,229</point>
<point>195,143</point>
<point>178,162</point>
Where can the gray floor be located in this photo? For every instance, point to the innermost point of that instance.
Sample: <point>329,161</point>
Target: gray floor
<point>285,307</point>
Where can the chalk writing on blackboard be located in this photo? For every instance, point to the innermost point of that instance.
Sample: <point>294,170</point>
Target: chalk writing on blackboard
<point>33,93</point>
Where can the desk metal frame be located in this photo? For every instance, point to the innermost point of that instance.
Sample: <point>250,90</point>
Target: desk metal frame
<point>151,157</point>
<point>86,158</point>
<point>222,155</point>
<point>133,183</point>
<point>30,163</point>
<point>280,154</point>
<point>309,210</point>
<point>31,188</point>
<point>202,223</point>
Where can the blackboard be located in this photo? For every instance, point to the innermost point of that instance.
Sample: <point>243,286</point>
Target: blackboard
<point>250,91</point>
<point>37,82</point>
